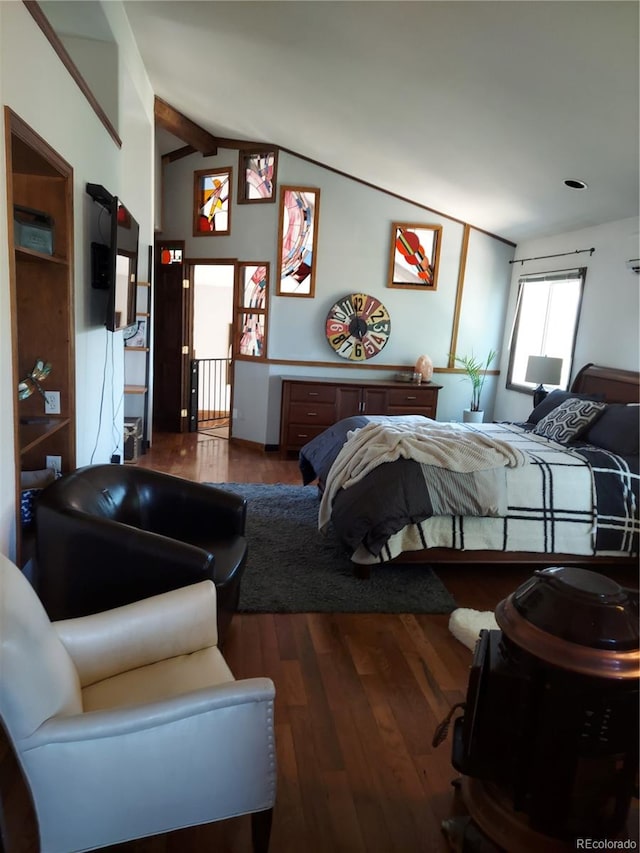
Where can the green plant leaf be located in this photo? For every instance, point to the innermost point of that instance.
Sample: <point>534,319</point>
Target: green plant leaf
<point>476,373</point>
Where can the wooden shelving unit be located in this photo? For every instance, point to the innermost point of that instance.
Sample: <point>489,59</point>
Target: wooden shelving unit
<point>137,365</point>
<point>42,309</point>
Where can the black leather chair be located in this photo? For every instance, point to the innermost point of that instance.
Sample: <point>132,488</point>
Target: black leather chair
<point>107,535</point>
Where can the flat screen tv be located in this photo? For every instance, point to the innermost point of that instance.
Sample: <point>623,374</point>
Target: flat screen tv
<point>114,258</point>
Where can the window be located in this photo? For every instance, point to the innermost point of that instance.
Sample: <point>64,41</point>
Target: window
<point>546,323</point>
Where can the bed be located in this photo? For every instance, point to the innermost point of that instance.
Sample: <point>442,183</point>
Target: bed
<point>560,488</point>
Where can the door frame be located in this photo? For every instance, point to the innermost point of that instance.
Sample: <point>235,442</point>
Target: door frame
<point>189,265</point>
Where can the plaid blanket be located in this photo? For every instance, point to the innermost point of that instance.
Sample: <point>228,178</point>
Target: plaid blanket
<point>578,500</point>
<point>617,485</point>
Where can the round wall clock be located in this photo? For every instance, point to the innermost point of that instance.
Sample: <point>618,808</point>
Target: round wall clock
<point>358,326</point>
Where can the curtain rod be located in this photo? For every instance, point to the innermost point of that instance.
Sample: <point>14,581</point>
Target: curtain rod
<point>544,257</point>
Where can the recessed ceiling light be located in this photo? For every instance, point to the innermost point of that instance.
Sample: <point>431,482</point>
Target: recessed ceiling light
<point>575,185</point>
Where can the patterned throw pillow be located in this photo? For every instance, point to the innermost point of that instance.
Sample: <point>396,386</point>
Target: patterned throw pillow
<point>553,400</point>
<point>568,420</point>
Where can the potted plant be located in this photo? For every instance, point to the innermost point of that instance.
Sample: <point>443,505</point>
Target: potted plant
<point>476,373</point>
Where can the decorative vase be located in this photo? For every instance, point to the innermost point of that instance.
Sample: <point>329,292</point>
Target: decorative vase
<point>424,366</point>
<point>469,417</point>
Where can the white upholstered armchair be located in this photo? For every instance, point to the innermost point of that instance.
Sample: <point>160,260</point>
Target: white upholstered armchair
<point>129,723</point>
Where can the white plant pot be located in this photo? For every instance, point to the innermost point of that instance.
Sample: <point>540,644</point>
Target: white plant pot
<point>469,417</point>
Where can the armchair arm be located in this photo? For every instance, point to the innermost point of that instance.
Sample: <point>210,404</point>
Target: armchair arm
<point>176,623</point>
<point>86,564</point>
<point>139,718</point>
<point>179,506</point>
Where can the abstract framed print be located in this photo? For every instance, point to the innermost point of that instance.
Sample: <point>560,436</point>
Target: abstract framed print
<point>414,256</point>
<point>297,241</point>
<point>252,308</point>
<point>257,170</point>
<point>212,202</point>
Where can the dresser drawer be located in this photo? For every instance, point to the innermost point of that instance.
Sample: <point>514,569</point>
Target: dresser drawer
<point>318,393</point>
<point>411,396</point>
<point>312,412</point>
<point>299,434</point>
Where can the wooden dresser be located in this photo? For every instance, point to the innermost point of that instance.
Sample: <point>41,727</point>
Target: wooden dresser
<point>309,406</point>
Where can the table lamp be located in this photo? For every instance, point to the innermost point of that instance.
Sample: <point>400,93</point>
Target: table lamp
<point>545,371</point>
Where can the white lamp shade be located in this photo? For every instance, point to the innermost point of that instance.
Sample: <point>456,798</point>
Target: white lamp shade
<point>543,370</point>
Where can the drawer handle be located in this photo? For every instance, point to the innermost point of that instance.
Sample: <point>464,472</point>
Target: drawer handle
<point>302,435</point>
<point>312,414</point>
<point>313,393</point>
<point>411,398</point>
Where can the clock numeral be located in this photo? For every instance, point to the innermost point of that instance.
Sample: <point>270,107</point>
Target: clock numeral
<point>378,315</point>
<point>358,352</point>
<point>347,307</point>
<point>378,341</point>
<point>333,327</point>
<point>380,328</point>
<point>336,340</point>
<point>369,346</point>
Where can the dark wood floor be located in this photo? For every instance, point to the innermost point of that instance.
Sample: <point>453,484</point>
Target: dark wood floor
<point>358,700</point>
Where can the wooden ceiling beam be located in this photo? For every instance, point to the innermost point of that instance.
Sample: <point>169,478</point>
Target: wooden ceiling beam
<point>178,154</point>
<point>188,131</point>
<point>196,138</point>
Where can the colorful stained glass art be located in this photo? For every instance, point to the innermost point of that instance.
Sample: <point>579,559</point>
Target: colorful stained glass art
<point>212,202</point>
<point>253,291</point>
<point>257,176</point>
<point>415,251</point>
<point>298,233</point>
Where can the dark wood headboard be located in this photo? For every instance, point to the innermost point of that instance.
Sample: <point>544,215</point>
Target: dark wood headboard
<point>617,386</point>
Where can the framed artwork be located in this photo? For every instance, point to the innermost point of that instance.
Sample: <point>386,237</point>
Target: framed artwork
<point>252,309</point>
<point>297,241</point>
<point>257,169</point>
<point>212,202</point>
<point>415,255</point>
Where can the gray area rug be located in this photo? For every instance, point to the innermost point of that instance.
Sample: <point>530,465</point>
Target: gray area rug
<point>292,568</point>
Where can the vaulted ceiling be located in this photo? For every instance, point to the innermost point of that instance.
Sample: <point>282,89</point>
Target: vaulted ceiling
<point>480,110</point>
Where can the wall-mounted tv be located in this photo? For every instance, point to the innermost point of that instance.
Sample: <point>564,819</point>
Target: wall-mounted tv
<point>114,258</point>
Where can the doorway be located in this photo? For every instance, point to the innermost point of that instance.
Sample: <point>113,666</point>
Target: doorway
<point>212,363</point>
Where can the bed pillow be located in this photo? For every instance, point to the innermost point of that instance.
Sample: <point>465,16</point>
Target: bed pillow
<point>568,420</point>
<point>553,400</point>
<point>616,430</point>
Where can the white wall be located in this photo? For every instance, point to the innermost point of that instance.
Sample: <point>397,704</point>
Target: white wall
<point>354,237</point>
<point>608,333</point>
<point>44,95</point>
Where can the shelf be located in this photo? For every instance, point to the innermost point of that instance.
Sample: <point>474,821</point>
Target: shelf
<point>34,430</point>
<point>42,304</point>
<point>135,389</point>
<point>32,255</point>
<point>136,349</point>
